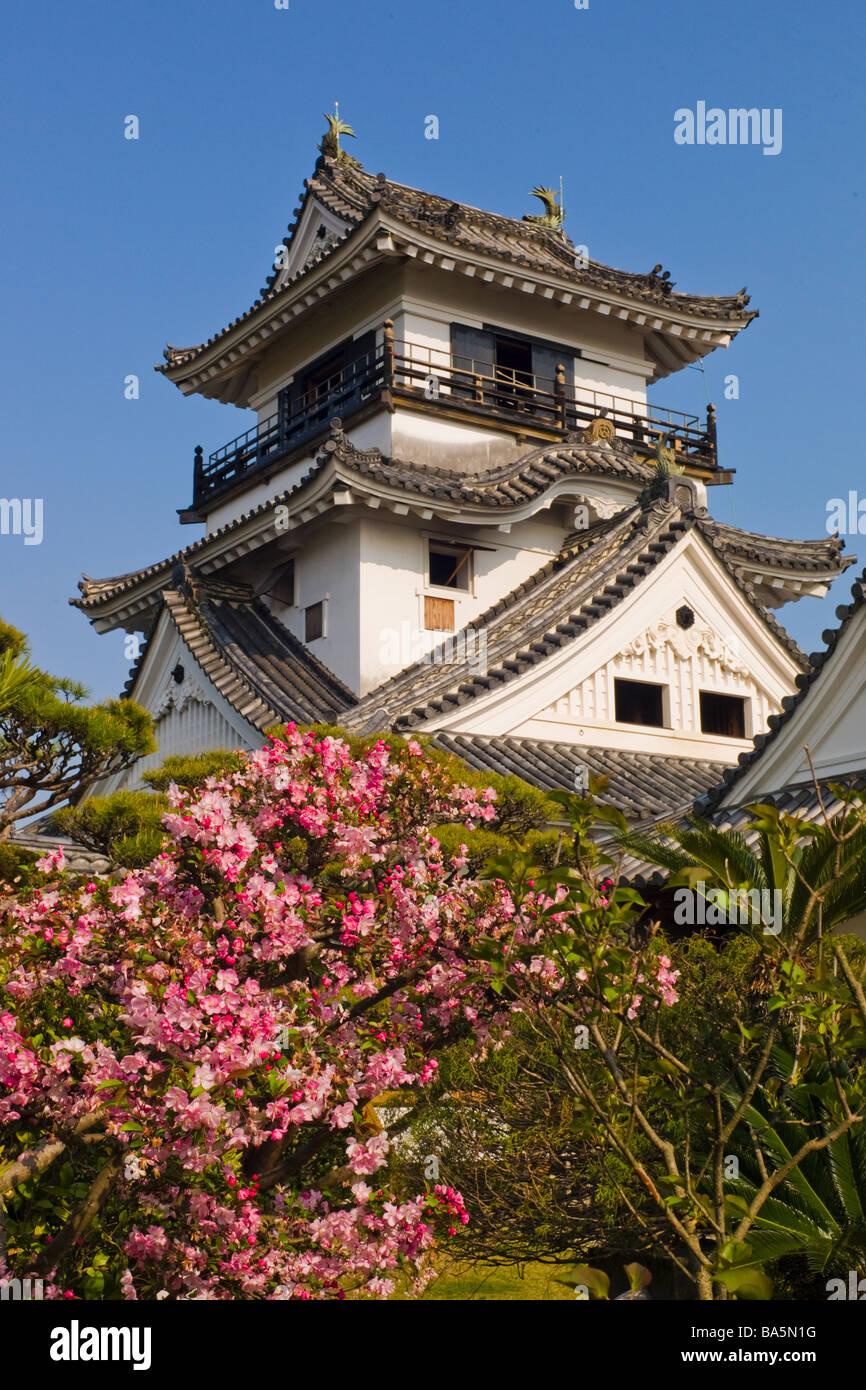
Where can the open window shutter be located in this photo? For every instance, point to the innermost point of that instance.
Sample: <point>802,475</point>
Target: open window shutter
<point>544,363</point>
<point>363,349</point>
<point>472,352</point>
<point>355,374</point>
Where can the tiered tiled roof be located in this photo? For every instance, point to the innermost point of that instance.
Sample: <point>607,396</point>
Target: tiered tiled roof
<point>495,490</point>
<point>350,192</point>
<point>746,549</point>
<point>507,486</point>
<point>354,196</point>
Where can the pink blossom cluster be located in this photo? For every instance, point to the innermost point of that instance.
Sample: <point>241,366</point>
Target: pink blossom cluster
<point>544,954</point>
<point>666,979</point>
<point>224,1024</point>
<point>225,1018</point>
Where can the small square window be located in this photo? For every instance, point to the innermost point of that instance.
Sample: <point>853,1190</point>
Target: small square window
<point>314,622</point>
<point>450,566</point>
<point>639,702</point>
<point>723,715</point>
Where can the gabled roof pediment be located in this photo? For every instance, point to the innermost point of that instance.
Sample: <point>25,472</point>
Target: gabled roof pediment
<point>309,239</point>
<point>260,668</point>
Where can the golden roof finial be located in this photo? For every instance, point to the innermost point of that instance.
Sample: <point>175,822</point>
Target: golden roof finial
<point>553,215</point>
<point>330,144</point>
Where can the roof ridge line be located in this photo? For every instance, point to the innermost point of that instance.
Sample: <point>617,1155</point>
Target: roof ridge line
<point>214,659</point>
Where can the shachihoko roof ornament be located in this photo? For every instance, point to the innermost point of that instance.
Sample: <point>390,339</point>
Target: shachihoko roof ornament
<point>553,215</point>
<point>329,146</point>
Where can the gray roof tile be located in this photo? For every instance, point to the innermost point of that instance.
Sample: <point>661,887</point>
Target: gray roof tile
<point>353,194</point>
<point>641,785</point>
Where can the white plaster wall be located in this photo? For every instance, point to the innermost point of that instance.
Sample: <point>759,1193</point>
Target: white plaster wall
<point>257,494</point>
<point>843,747</point>
<point>197,727</point>
<point>424,438</point>
<point>830,721</point>
<point>393,583</point>
<point>429,333</point>
<point>390,575</point>
<point>684,663</point>
<point>328,568</point>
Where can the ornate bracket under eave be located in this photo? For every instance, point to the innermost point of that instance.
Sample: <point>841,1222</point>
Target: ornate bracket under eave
<point>773,589</point>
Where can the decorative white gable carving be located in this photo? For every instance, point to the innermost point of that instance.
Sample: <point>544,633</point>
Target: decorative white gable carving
<point>176,697</point>
<point>319,229</point>
<point>687,643</point>
<point>685,661</point>
<point>599,508</point>
<point>719,646</point>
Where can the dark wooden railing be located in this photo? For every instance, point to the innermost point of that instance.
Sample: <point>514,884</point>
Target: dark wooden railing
<point>407,371</point>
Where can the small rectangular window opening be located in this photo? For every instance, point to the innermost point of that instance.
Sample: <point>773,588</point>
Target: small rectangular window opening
<point>314,621</point>
<point>723,715</point>
<point>638,702</point>
<point>449,568</point>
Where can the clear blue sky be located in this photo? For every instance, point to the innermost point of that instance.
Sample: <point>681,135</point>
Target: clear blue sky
<point>113,247</point>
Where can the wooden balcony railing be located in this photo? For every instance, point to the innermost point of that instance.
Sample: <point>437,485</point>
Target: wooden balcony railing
<point>446,383</point>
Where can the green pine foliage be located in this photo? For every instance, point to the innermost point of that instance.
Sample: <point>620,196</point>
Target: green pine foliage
<point>125,826</point>
<point>53,745</point>
<point>16,866</point>
<point>191,772</point>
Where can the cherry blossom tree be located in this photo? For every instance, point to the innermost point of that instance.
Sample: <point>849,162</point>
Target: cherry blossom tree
<point>194,1055</point>
<point>189,1054</point>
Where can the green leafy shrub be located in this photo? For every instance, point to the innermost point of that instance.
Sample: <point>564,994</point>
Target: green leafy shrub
<point>125,827</point>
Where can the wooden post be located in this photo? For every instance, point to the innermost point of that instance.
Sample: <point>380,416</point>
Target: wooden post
<point>478,379</point>
<point>559,395</point>
<point>388,351</point>
<point>711,432</point>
